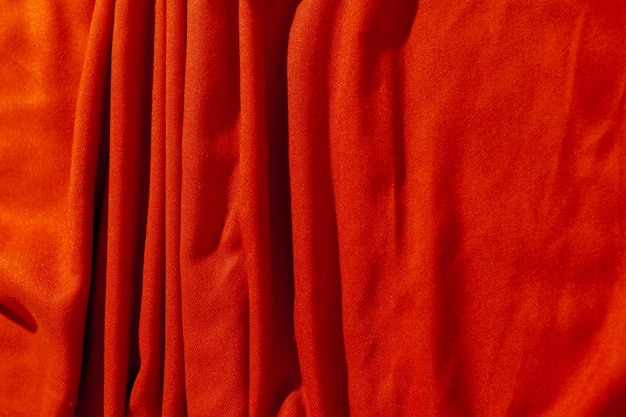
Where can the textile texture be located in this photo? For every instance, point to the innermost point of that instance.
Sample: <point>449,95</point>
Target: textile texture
<point>312,208</point>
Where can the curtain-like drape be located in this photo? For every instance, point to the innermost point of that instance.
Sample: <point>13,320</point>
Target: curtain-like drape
<point>313,208</point>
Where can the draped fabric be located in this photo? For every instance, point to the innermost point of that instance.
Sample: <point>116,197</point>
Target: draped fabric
<point>312,208</point>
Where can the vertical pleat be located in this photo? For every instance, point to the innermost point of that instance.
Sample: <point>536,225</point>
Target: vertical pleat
<point>213,280</point>
<point>91,141</point>
<point>174,396</point>
<point>147,389</point>
<point>317,275</point>
<point>254,204</point>
<point>129,150</point>
<point>264,204</point>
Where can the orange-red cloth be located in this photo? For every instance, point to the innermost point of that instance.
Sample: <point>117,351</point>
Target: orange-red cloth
<point>313,208</point>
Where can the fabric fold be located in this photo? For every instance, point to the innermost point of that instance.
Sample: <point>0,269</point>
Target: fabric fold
<point>312,208</point>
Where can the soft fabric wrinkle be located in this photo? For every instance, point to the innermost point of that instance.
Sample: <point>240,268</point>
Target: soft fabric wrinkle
<point>367,249</point>
<point>148,384</point>
<point>213,74</point>
<point>129,147</point>
<point>253,199</point>
<point>317,304</point>
<point>92,384</point>
<point>213,296</point>
<point>89,144</point>
<point>271,299</point>
<point>449,287</point>
<point>174,390</point>
<point>18,314</point>
<point>615,401</point>
<point>377,84</point>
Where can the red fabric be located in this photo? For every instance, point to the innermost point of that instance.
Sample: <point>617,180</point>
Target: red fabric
<point>315,208</point>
